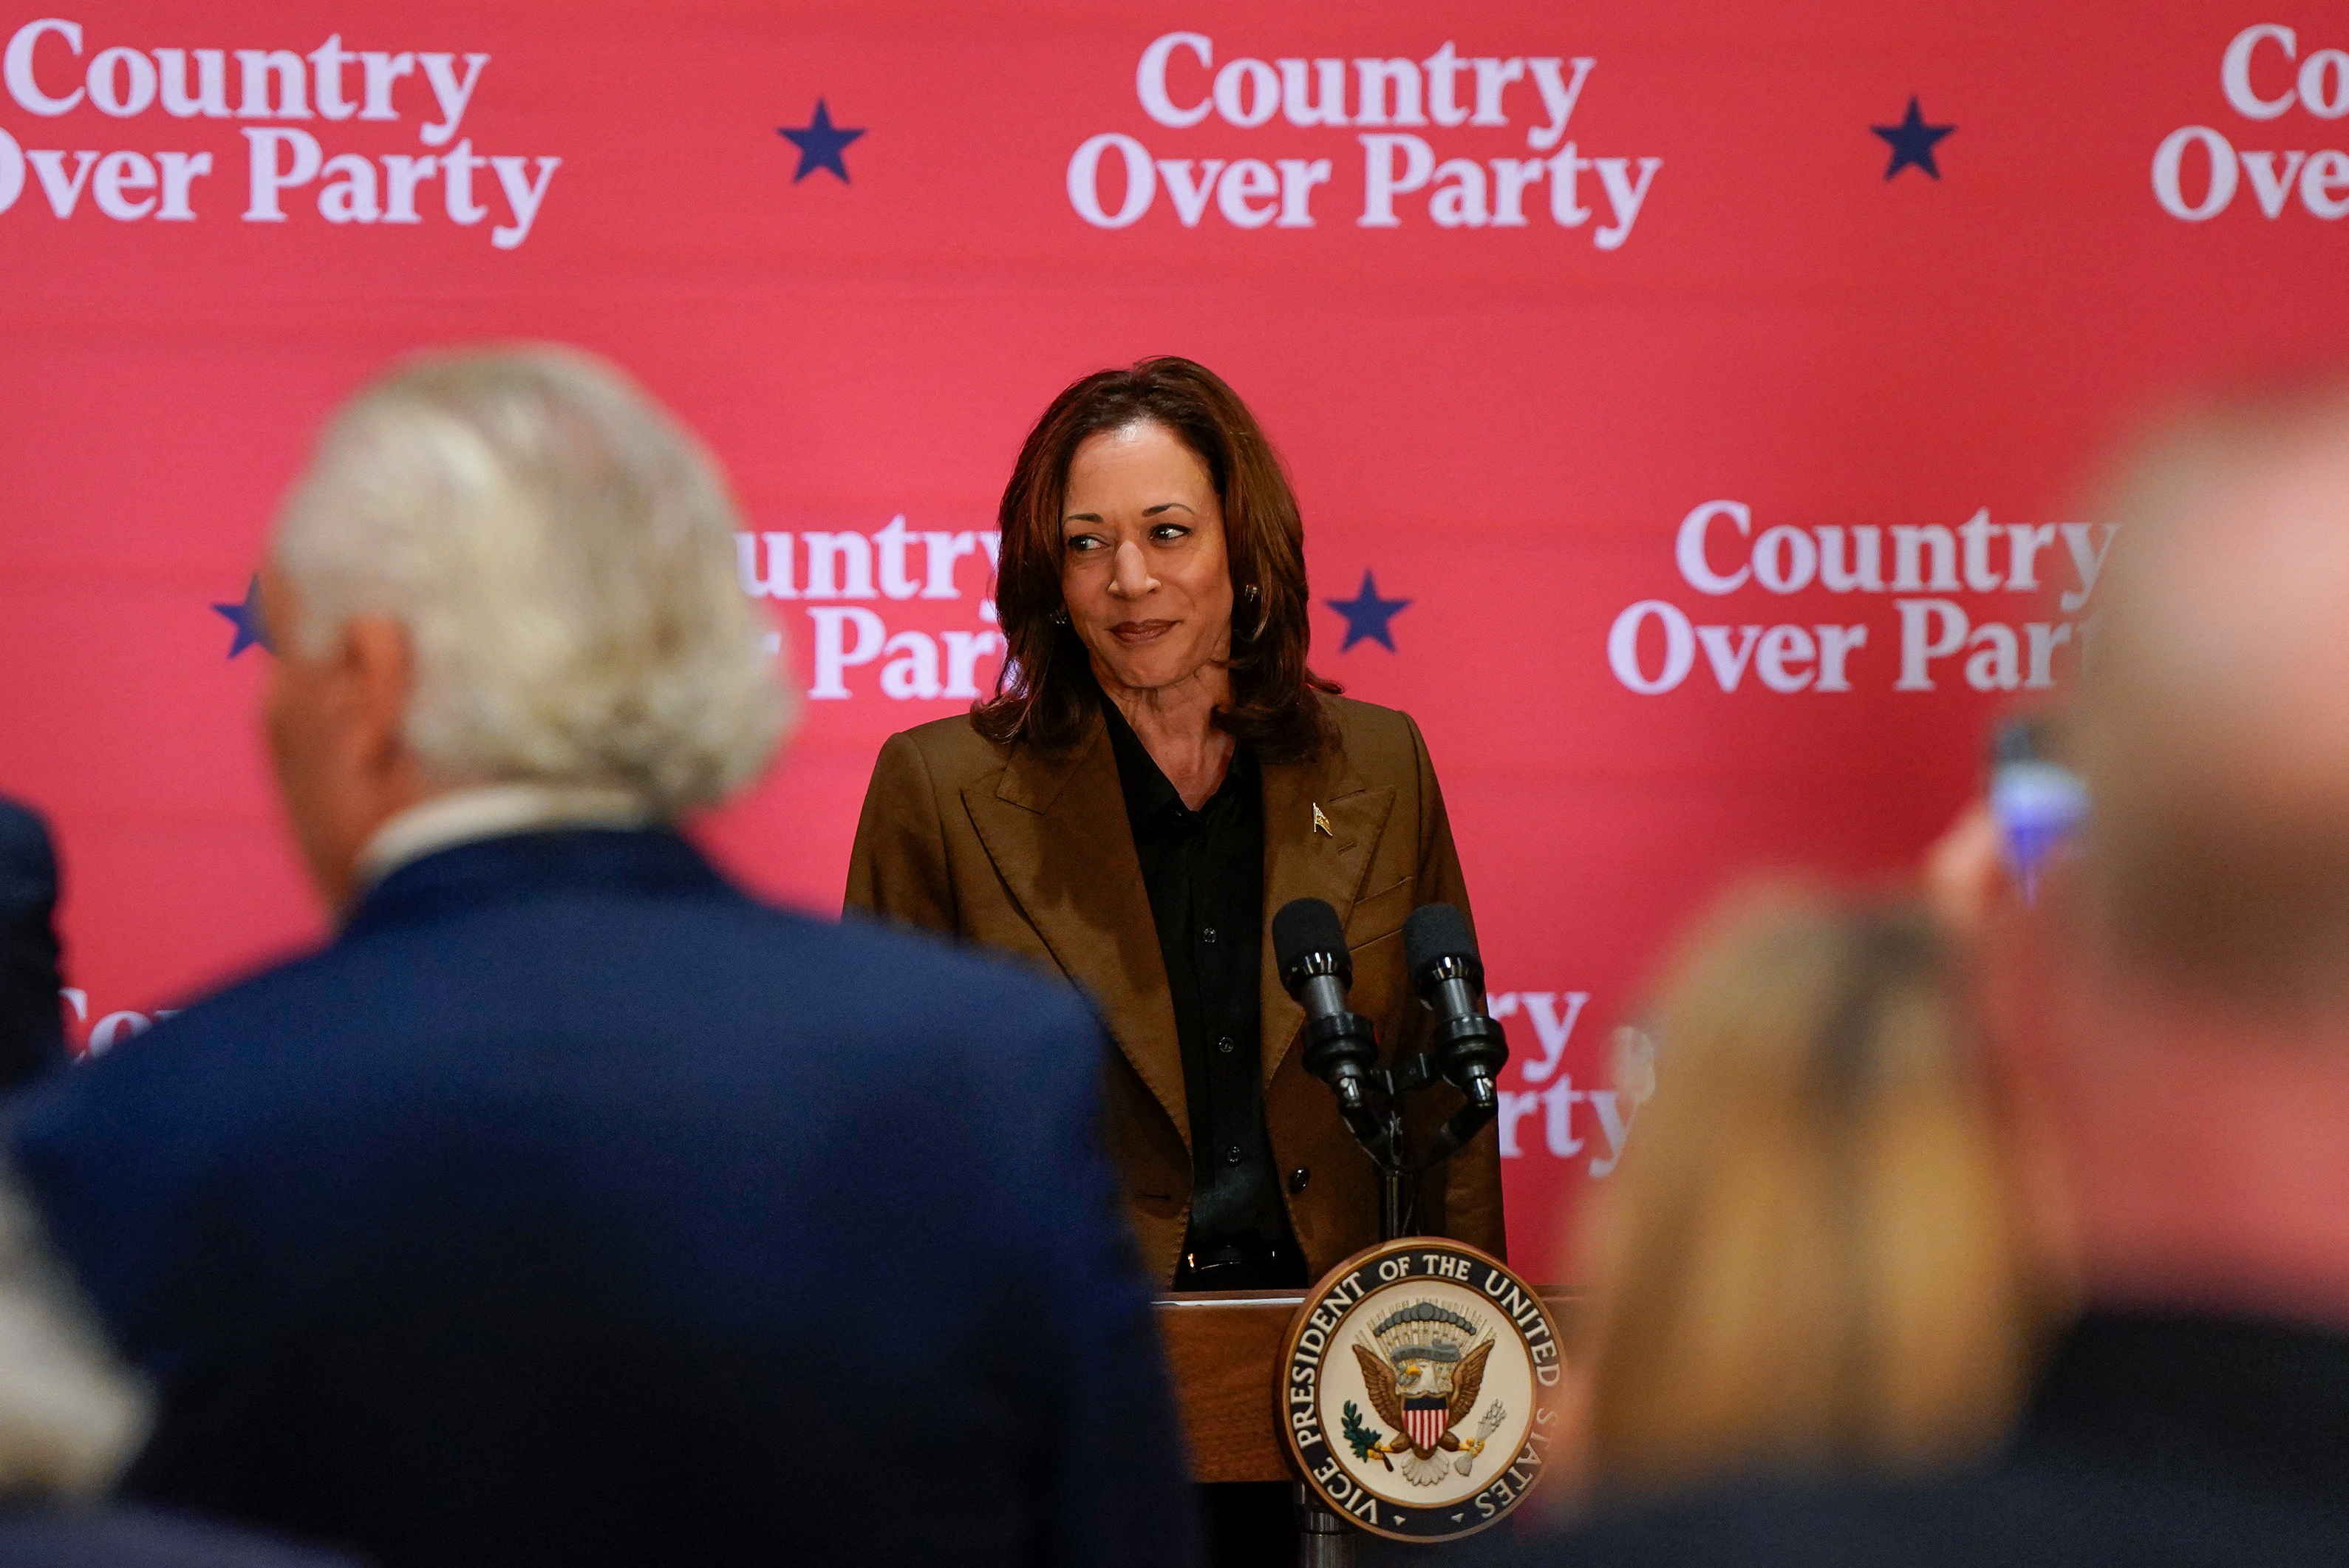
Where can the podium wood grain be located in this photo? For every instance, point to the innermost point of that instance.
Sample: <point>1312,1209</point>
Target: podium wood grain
<point>1223,1348</point>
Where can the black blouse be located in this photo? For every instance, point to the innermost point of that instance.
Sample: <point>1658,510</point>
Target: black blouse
<point>1204,874</point>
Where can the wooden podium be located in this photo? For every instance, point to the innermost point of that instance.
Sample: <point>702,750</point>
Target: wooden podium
<point>1223,1349</point>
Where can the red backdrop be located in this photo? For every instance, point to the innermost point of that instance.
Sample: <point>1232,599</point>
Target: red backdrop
<point>1690,271</point>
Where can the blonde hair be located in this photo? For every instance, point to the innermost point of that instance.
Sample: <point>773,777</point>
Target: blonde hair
<point>561,553</point>
<point>1806,1258</point>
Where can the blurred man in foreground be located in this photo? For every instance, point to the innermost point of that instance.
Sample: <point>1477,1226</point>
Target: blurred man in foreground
<point>570,1207</point>
<point>2173,1020</point>
<point>70,1417</point>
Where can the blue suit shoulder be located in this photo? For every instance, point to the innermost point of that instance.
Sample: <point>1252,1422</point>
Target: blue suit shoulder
<point>799,974</point>
<point>32,1027</point>
<point>582,1093</point>
<point>25,850</point>
<point>130,1537</point>
<point>924,972</point>
<point>588,1012</point>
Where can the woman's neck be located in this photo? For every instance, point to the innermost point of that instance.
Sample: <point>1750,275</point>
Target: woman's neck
<point>1176,726</point>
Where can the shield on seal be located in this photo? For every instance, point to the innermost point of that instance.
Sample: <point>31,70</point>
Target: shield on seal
<point>1426,1420</point>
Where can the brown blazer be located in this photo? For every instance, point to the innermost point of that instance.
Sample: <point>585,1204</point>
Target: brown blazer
<point>1029,851</point>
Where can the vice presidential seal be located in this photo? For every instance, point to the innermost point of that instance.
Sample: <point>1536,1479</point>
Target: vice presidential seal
<point>1412,1388</point>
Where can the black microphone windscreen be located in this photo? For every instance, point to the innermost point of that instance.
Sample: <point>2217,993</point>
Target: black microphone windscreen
<point>1436,931</point>
<point>1305,925</point>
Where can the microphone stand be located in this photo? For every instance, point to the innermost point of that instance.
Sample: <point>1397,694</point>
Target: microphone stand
<point>1397,1211</point>
<point>1374,1114</point>
<point>1341,1049</point>
<point>1341,1046</point>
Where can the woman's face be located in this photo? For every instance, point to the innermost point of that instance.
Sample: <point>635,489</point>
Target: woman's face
<point>1145,574</point>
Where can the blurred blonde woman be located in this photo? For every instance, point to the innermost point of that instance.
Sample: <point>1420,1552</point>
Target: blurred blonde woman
<point>1807,1259</point>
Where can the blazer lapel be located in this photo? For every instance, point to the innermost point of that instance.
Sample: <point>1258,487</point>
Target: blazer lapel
<point>1301,861</point>
<point>1055,827</point>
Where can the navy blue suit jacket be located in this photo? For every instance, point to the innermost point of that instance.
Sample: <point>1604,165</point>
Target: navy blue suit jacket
<point>136,1537</point>
<point>32,1027</point>
<point>572,1207</point>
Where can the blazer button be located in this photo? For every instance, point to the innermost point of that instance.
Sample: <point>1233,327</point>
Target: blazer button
<point>1232,1155</point>
<point>1299,1178</point>
<point>1227,1045</point>
<point>1208,936</point>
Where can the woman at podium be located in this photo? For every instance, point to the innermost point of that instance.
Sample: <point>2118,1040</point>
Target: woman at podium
<point>1158,771</point>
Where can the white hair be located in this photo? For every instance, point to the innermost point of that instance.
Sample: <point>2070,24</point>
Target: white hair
<point>560,551</point>
<point>71,1415</point>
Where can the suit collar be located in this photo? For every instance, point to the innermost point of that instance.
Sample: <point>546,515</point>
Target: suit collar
<point>492,811</point>
<point>488,871</point>
<point>1033,779</point>
<point>1054,825</point>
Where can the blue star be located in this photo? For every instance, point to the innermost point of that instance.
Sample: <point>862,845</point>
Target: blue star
<point>1367,615</point>
<point>819,144</point>
<point>1912,141</point>
<point>246,619</point>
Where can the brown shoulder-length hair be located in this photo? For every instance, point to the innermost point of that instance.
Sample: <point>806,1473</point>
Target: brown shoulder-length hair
<point>1045,692</point>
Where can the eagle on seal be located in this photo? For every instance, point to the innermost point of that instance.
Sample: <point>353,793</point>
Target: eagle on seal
<point>1409,1394</point>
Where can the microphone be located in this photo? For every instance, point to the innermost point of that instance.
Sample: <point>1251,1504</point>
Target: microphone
<point>1470,1048</point>
<point>1308,944</point>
